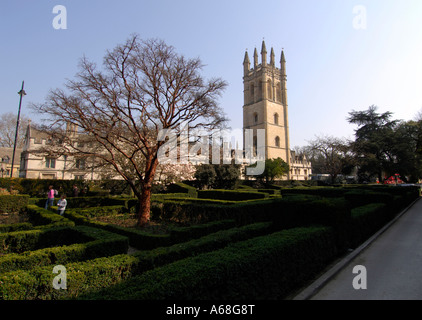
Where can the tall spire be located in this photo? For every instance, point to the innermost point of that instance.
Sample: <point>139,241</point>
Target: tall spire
<point>283,64</point>
<point>272,61</point>
<point>264,54</point>
<point>255,58</point>
<point>246,63</point>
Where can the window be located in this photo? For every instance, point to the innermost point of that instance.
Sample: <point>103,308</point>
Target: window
<point>269,90</point>
<point>255,117</point>
<point>277,142</point>
<point>276,118</point>
<point>50,163</point>
<point>80,164</point>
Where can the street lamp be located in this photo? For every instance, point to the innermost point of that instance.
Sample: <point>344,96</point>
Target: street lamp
<point>21,93</point>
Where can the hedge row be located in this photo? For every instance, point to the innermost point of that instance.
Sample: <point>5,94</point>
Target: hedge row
<point>29,240</point>
<point>79,243</point>
<point>98,211</point>
<point>144,240</point>
<point>99,273</point>
<point>266,267</point>
<point>182,188</point>
<point>42,218</point>
<point>231,195</point>
<point>15,227</point>
<point>368,219</point>
<point>13,203</point>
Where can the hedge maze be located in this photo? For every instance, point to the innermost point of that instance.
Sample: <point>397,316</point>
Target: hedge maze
<point>242,244</point>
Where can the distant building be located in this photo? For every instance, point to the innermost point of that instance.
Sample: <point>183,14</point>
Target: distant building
<point>35,165</point>
<point>6,156</point>
<point>265,107</point>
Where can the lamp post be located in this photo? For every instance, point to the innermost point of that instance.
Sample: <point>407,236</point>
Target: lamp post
<point>21,93</point>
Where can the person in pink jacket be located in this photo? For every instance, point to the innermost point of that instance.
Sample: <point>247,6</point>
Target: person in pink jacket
<point>50,197</point>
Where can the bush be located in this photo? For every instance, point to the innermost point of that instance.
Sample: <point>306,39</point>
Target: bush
<point>84,277</point>
<point>231,195</point>
<point>42,218</point>
<point>366,220</point>
<point>182,188</point>
<point>266,267</point>
<point>13,203</point>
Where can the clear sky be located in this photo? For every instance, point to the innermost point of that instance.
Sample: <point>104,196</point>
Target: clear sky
<point>337,61</point>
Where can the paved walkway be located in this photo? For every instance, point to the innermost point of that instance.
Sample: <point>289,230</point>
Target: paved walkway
<point>393,263</point>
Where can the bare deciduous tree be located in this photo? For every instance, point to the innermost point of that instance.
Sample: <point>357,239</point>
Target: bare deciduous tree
<point>8,130</point>
<point>145,87</point>
<point>331,155</point>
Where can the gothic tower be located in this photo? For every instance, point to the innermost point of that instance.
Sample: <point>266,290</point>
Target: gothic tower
<point>265,102</point>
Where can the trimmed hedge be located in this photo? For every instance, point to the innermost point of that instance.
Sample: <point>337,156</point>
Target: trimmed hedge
<point>82,243</point>
<point>13,203</point>
<point>366,220</point>
<point>266,267</point>
<point>83,277</point>
<point>231,195</point>
<point>15,227</point>
<point>138,239</point>
<point>182,188</point>
<point>20,241</point>
<point>46,219</point>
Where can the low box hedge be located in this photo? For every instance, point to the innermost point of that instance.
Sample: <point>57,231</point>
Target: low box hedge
<point>42,218</point>
<point>366,220</point>
<point>82,243</point>
<point>266,267</point>
<point>13,203</point>
<point>87,276</point>
<point>28,240</point>
<point>15,227</point>
<point>231,195</point>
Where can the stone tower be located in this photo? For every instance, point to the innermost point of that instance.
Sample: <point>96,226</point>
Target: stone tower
<point>265,102</point>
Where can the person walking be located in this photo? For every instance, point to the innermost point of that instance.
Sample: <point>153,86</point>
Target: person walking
<point>50,197</point>
<point>61,204</point>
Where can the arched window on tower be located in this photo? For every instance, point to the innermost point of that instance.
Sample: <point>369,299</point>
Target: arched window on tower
<point>255,118</point>
<point>269,90</point>
<point>276,118</point>
<point>277,142</point>
<point>259,92</point>
<point>278,92</point>
<point>252,93</point>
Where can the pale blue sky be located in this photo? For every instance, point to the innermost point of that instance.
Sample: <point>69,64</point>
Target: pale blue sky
<point>332,67</point>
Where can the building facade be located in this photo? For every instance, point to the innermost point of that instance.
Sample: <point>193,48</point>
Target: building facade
<point>265,107</point>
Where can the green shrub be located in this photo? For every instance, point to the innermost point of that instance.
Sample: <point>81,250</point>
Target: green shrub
<point>42,218</point>
<point>15,227</point>
<point>138,239</point>
<point>366,220</point>
<point>83,277</point>
<point>13,203</point>
<point>231,195</point>
<point>266,267</point>
<point>182,188</point>
<point>88,244</point>
<point>20,241</point>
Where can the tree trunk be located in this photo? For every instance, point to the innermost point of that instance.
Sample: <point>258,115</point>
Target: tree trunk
<point>144,213</point>
<point>144,206</point>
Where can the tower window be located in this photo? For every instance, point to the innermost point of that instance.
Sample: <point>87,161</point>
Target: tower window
<point>275,118</point>
<point>277,142</point>
<point>252,93</point>
<point>269,90</point>
<point>255,118</point>
<point>50,163</point>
